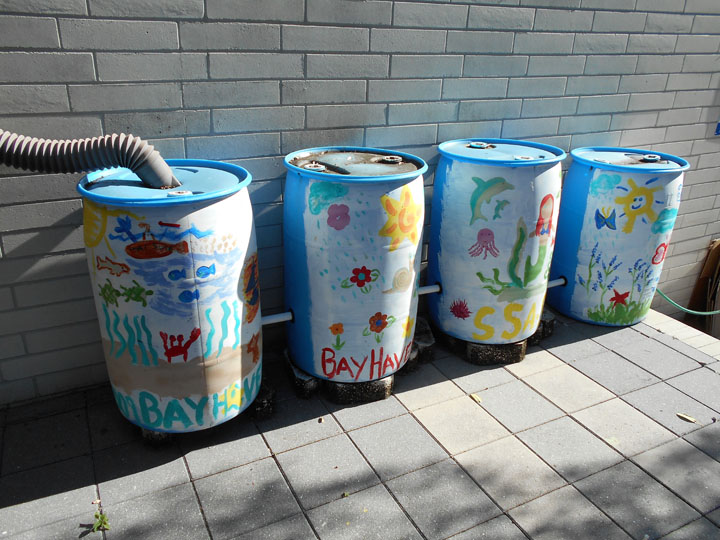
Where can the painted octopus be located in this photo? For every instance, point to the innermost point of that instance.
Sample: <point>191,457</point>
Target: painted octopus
<point>485,243</point>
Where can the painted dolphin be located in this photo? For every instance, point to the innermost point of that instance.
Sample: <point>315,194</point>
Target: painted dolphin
<point>484,192</point>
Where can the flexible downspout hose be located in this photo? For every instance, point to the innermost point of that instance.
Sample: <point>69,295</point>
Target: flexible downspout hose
<point>84,155</point>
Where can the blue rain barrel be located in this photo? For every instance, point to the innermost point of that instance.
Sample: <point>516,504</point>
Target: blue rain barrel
<point>353,220</point>
<point>618,209</point>
<point>175,277</point>
<point>493,222</point>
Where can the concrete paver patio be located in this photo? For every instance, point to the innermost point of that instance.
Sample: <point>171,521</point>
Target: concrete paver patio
<point>579,440</point>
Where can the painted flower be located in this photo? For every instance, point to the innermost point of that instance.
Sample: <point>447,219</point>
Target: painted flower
<point>338,216</point>
<point>660,253</point>
<point>408,327</point>
<point>361,276</point>
<point>378,322</point>
<point>336,329</point>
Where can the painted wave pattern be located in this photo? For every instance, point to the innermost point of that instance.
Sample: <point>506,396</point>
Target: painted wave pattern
<point>131,340</point>
<point>227,312</point>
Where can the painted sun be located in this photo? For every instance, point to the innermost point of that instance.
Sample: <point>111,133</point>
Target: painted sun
<point>403,216</point>
<point>637,203</point>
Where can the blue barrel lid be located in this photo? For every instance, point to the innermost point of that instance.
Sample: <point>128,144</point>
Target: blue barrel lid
<point>502,152</point>
<point>355,163</point>
<point>628,159</point>
<point>201,180</point>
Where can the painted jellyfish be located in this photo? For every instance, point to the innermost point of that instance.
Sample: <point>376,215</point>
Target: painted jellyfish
<point>485,243</point>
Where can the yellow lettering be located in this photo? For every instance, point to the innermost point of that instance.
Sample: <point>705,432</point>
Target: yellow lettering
<point>517,323</point>
<point>478,320</point>
<point>531,319</point>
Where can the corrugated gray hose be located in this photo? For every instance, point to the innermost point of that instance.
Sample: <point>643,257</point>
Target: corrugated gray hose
<point>84,155</point>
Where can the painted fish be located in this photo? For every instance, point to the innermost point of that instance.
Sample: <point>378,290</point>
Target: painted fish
<point>605,219</point>
<point>115,268</point>
<point>189,296</point>
<point>484,192</point>
<point>205,271</point>
<point>174,275</point>
<point>154,249</point>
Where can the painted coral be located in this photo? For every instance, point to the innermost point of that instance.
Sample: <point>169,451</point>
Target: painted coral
<point>460,309</point>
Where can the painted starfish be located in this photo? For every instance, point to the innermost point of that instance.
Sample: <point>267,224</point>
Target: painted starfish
<point>619,298</point>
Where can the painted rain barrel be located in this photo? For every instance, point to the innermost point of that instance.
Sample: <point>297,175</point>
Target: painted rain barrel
<point>175,277</point>
<point>353,221</point>
<point>492,232</point>
<point>618,209</point>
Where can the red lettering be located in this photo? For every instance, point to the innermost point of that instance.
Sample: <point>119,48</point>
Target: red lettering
<point>359,366</point>
<point>328,360</point>
<point>405,355</point>
<point>389,361</point>
<point>374,363</point>
<point>343,366</point>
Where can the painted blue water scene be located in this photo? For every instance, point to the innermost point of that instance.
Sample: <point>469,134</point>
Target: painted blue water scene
<point>178,303</point>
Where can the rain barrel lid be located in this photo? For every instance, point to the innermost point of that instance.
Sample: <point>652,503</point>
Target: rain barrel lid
<point>628,159</point>
<point>348,163</point>
<point>201,180</point>
<point>502,152</point>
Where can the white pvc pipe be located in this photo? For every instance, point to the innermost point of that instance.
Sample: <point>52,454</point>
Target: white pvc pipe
<point>276,318</point>
<point>429,289</point>
<point>559,282</point>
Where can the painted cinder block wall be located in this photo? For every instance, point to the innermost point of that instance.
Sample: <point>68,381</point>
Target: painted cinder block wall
<point>248,82</point>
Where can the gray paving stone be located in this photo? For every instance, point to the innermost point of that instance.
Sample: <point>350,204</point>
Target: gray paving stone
<point>296,422</point>
<point>658,359</point>
<point>442,500</point>
<point>236,442</point>
<point>424,386</point>
<point>33,498</point>
<point>99,394</point>
<point>293,528</point>
<point>245,498</point>
<point>624,428</point>
<point>470,377</point>
<point>326,470</point>
<point>614,372</point>
<point>397,446</point>
<point>509,472</point>
<point>47,407</point>
<point>687,471</point>
<point>136,469</point>
<point>356,416</point>
<point>499,528</point>
<point>535,361</point>
<point>568,389</point>
<point>170,513</point>
<point>460,424</point>
<point>569,448</point>
<point>110,428</point>
<point>674,343</point>
<point>701,384</point>
<point>45,440</point>
<point>662,402</point>
<point>707,439</point>
<point>568,344</point>
<point>635,501</point>
<point>72,527</point>
<point>565,513</point>
<point>517,406</point>
<point>701,529</point>
<point>366,515</point>
<point>714,516</point>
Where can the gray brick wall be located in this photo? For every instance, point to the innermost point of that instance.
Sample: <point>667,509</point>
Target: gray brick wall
<point>249,81</point>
